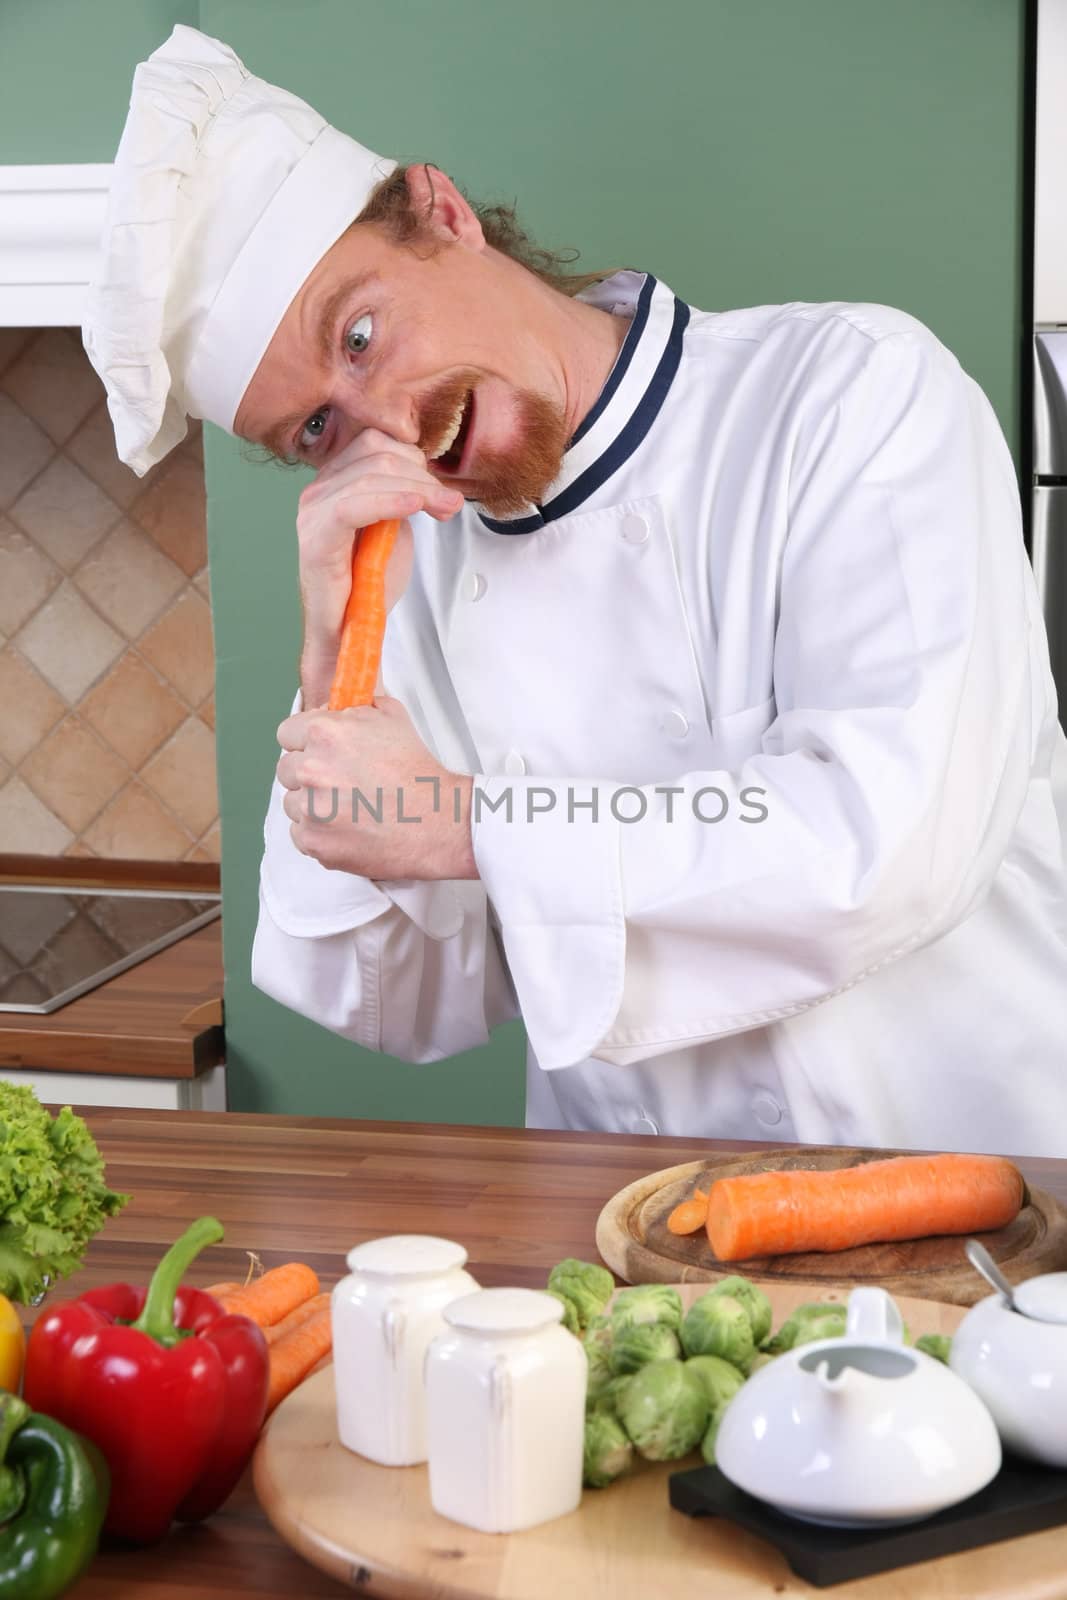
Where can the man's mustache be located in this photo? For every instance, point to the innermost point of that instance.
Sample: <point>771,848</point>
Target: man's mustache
<point>439,408</point>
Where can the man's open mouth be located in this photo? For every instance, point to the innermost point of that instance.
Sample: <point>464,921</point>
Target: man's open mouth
<point>449,459</point>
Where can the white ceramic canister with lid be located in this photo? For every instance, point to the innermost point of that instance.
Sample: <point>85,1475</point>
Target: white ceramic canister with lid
<point>383,1317</point>
<point>505,1412</point>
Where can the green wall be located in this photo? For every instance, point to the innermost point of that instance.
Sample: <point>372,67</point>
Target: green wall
<point>747,151</point>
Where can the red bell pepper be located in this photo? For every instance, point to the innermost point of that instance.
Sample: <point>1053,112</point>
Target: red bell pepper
<point>171,1389</point>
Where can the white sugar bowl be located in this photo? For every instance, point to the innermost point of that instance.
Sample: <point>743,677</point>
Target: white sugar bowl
<point>1016,1360</point>
<point>383,1317</point>
<point>858,1431</point>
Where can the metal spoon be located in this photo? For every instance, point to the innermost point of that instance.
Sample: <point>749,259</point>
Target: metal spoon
<point>983,1262</point>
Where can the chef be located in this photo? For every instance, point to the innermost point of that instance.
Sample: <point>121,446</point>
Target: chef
<point>715,736</point>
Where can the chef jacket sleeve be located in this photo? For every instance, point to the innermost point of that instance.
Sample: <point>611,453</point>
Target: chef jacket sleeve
<point>410,968</point>
<point>908,689</point>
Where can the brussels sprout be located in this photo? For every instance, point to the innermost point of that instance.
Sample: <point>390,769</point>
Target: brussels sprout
<point>720,1379</point>
<point>608,1453</point>
<point>570,1315</point>
<point>634,1347</point>
<point>646,1303</point>
<point>607,1395</point>
<point>587,1286</point>
<point>762,1358</point>
<point>664,1409</point>
<point>600,1373</point>
<point>718,1325</point>
<point>754,1301</point>
<point>937,1345</point>
<point>599,1335</point>
<point>817,1320</point>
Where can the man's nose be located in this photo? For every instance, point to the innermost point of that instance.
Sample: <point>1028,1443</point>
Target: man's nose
<point>393,414</point>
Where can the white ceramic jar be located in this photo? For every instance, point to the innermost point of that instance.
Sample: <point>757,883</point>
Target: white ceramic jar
<point>383,1317</point>
<point>505,1407</point>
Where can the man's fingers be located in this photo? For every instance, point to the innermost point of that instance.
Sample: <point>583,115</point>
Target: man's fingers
<point>286,770</point>
<point>293,732</point>
<point>368,442</point>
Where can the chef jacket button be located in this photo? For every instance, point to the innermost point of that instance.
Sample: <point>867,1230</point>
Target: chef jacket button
<point>514,764</point>
<point>476,586</point>
<point>634,530</point>
<point>767,1110</point>
<point>674,724</point>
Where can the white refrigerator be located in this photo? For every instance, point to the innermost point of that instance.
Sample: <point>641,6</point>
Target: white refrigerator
<point>1048,505</point>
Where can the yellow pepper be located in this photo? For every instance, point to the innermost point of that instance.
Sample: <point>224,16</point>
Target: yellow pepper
<point>12,1347</point>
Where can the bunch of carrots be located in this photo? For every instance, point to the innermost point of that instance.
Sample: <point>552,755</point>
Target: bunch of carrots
<point>287,1304</point>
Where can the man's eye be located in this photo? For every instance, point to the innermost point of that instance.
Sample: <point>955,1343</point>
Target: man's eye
<point>357,337</point>
<point>313,430</point>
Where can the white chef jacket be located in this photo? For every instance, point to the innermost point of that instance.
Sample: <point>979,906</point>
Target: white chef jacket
<point>776,619</point>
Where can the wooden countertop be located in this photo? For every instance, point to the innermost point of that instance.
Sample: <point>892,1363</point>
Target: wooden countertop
<point>159,1019</point>
<point>309,1189</point>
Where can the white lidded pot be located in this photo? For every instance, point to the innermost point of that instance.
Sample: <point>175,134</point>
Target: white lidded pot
<point>1016,1359</point>
<point>505,1407</point>
<point>383,1317</point>
<point>858,1431</point>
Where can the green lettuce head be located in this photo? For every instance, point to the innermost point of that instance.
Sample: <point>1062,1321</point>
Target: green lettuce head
<point>53,1196</point>
<point>647,1303</point>
<point>608,1453</point>
<point>635,1347</point>
<point>587,1286</point>
<point>664,1410</point>
<point>719,1325</point>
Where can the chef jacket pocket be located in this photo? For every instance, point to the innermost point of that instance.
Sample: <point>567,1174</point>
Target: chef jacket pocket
<point>571,650</point>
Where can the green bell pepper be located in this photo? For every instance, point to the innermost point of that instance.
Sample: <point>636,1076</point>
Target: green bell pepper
<point>53,1496</point>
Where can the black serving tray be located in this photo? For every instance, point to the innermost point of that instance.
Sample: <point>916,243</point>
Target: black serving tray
<point>1022,1498</point>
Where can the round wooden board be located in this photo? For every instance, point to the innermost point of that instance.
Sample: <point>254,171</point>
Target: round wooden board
<point>633,1238</point>
<point>374,1528</point>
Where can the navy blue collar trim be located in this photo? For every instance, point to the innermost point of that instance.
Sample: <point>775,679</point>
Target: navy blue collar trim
<point>622,361</point>
<point>626,443</point>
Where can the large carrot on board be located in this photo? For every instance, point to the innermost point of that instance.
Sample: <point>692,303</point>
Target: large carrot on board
<point>903,1197</point>
<point>292,1358</point>
<point>363,631</point>
<point>270,1298</point>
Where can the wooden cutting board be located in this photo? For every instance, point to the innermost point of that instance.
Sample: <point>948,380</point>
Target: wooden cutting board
<point>633,1238</point>
<point>374,1528</point>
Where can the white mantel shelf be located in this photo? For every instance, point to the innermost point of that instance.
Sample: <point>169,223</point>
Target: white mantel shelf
<point>51,221</point>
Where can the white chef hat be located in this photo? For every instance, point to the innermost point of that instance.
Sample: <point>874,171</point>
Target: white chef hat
<point>225,193</point>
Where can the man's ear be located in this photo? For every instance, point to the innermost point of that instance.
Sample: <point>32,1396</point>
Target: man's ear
<point>441,207</point>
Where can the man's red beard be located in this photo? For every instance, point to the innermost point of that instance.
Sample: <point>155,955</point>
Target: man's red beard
<point>505,482</point>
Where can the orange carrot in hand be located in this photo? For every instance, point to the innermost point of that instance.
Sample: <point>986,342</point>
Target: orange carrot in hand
<point>270,1298</point>
<point>292,1358</point>
<point>303,1313</point>
<point>690,1215</point>
<point>363,632</point>
<point>904,1197</point>
<point>221,1290</point>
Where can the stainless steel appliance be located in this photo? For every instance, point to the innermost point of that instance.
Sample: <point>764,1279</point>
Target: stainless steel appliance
<point>57,943</point>
<point>1048,503</point>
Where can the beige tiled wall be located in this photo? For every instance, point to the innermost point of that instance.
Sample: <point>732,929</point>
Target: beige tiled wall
<point>107,741</point>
